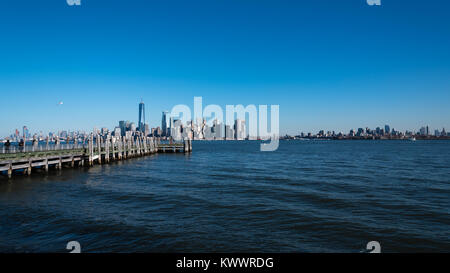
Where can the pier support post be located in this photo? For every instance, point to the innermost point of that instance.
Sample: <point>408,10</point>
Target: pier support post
<point>113,144</point>
<point>138,147</point>
<point>144,142</point>
<point>107,150</point>
<point>130,152</point>
<point>119,145</point>
<point>91,150</point>
<point>124,149</point>
<point>46,165</point>
<point>29,167</point>
<point>99,148</point>
<point>141,146</point>
<point>9,170</point>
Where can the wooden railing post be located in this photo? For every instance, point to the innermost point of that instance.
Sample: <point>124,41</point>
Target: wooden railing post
<point>9,170</point>
<point>46,165</point>
<point>99,148</point>
<point>119,144</point>
<point>91,150</point>
<point>107,149</point>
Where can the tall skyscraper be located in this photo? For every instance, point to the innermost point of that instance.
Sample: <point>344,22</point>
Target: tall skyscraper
<point>171,126</point>
<point>229,132</point>
<point>217,130</point>
<point>387,129</point>
<point>239,129</point>
<point>164,123</point>
<point>141,122</point>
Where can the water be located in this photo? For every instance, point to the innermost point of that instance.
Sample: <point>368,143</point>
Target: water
<point>309,196</point>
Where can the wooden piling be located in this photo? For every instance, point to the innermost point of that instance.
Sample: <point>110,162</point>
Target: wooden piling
<point>9,170</point>
<point>46,165</point>
<point>99,149</point>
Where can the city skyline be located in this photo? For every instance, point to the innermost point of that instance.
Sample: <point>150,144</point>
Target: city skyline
<point>214,129</point>
<point>333,64</point>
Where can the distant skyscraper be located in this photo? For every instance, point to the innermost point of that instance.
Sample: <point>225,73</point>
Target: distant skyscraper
<point>239,129</point>
<point>164,123</point>
<point>141,122</point>
<point>132,127</point>
<point>229,132</point>
<point>217,129</point>
<point>423,131</point>
<point>171,126</point>
<point>123,127</point>
<point>387,129</point>
<point>25,132</point>
<point>146,129</point>
<point>117,131</point>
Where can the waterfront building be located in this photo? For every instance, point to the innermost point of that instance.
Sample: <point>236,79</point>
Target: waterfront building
<point>239,129</point>
<point>123,127</point>
<point>360,132</point>
<point>229,132</point>
<point>164,123</point>
<point>171,125</point>
<point>156,132</point>
<point>387,129</point>
<point>217,130</point>
<point>117,131</point>
<point>208,132</point>
<point>176,130</point>
<point>423,131</point>
<point>147,130</point>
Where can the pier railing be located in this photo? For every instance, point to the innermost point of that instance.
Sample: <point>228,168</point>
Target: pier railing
<point>39,148</point>
<point>95,150</point>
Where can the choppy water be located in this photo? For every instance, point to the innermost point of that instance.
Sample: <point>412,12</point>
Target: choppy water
<point>309,196</point>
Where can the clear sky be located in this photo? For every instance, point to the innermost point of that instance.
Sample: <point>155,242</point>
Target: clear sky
<point>329,64</point>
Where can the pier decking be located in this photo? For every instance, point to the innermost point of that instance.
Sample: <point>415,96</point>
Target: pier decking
<point>98,152</point>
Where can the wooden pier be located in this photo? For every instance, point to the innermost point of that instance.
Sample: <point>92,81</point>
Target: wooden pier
<point>103,150</point>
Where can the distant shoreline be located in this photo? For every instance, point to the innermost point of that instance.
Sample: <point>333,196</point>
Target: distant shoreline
<point>369,138</point>
<point>293,138</point>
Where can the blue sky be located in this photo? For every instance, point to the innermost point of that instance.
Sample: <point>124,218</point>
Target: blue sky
<point>329,64</point>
